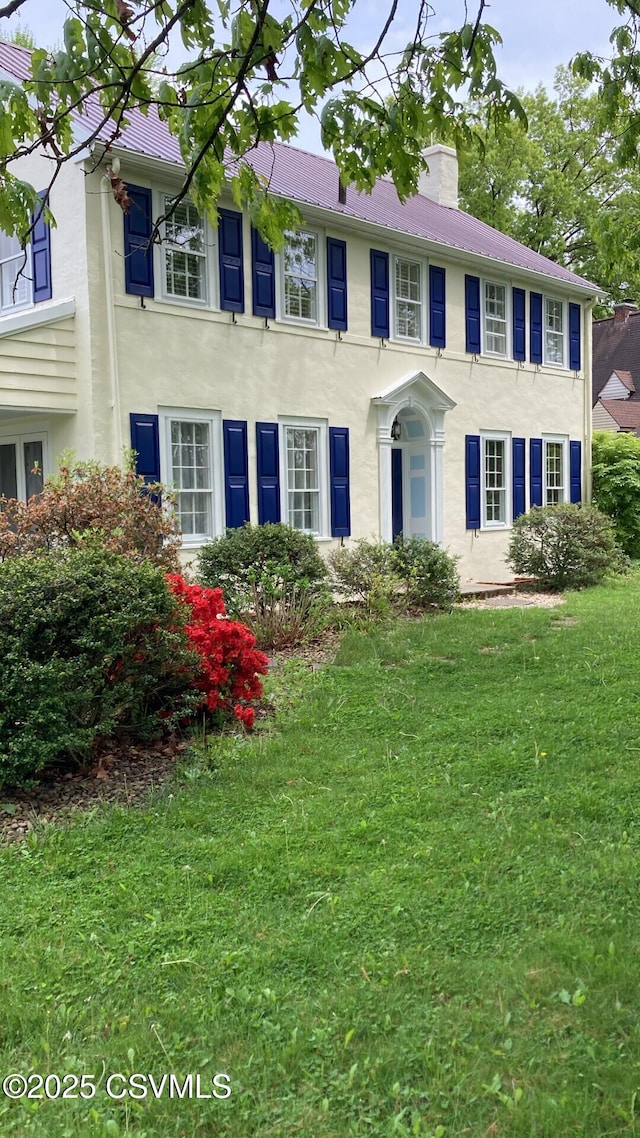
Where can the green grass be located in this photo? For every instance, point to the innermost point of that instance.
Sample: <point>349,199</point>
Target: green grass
<point>411,908</point>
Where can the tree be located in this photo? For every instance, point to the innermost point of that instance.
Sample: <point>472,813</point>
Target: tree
<point>249,74</point>
<point>560,188</point>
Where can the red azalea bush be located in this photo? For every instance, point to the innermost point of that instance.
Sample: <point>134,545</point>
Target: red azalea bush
<point>230,662</point>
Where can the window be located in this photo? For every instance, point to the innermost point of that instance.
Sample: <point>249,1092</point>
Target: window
<point>191,450</point>
<point>496,474</point>
<point>553,331</point>
<point>408,307</point>
<point>555,472</point>
<point>184,250</point>
<point>494,319</point>
<point>304,475</point>
<point>300,269</point>
<point>22,461</point>
<point>15,284</point>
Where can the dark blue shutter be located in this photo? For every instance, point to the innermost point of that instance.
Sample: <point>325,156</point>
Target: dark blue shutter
<point>535,327</point>
<point>472,477</point>
<point>337,283</point>
<point>263,276</point>
<point>145,441</point>
<point>138,254</point>
<point>575,470</point>
<point>535,472</point>
<point>236,472</point>
<point>437,313</point>
<point>574,338</point>
<point>41,256</point>
<point>379,294</point>
<point>230,256</point>
<point>339,478</point>
<point>519,487</point>
<point>472,314</point>
<point>397,510</point>
<point>519,324</point>
<point>268,464</point>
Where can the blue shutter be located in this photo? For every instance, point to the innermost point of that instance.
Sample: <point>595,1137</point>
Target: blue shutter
<point>519,487</point>
<point>145,441</point>
<point>339,478</point>
<point>379,294</point>
<point>236,472</point>
<point>138,254</point>
<point>397,510</point>
<point>437,313</point>
<point>575,470</point>
<point>472,314</point>
<point>268,464</point>
<point>519,324</point>
<point>337,283</point>
<point>535,327</point>
<point>535,472</point>
<point>263,276</point>
<point>574,338</point>
<point>230,256</point>
<point>41,256</point>
<point>472,477</point>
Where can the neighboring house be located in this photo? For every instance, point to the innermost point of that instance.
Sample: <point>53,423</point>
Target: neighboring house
<point>616,367</point>
<point>396,369</point>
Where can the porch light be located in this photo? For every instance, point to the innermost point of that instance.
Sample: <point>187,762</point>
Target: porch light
<point>396,430</point>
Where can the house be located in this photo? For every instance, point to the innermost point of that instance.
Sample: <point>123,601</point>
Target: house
<point>616,367</point>
<point>398,368</point>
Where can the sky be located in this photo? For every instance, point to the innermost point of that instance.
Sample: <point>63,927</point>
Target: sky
<point>537,34</point>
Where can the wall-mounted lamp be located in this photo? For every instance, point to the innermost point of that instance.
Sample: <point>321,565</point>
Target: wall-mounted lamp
<point>396,430</point>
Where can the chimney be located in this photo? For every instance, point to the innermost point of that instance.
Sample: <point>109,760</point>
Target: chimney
<point>623,310</point>
<point>342,192</point>
<point>440,181</point>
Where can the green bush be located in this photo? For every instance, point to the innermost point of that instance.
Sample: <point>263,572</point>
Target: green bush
<point>413,573</point>
<point>616,485</point>
<point>428,573</point>
<point>91,643</point>
<point>565,547</point>
<point>272,577</point>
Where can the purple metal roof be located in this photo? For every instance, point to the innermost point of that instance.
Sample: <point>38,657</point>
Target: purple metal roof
<point>311,179</point>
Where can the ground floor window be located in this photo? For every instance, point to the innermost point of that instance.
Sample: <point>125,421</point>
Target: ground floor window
<point>496,474</point>
<point>190,459</point>
<point>304,446</point>
<point>22,460</point>
<point>555,473</point>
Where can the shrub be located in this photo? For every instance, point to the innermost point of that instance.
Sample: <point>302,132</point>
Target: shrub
<point>428,573</point>
<point>272,577</point>
<point>91,644</point>
<point>616,485</point>
<point>364,571</point>
<point>87,503</point>
<point>566,546</point>
<point>229,662</point>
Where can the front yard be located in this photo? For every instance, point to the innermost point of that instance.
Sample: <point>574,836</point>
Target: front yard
<point>409,908</point>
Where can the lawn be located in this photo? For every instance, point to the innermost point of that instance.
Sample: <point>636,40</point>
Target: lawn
<point>408,907</point>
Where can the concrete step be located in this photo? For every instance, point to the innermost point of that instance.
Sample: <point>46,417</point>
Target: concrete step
<point>482,589</point>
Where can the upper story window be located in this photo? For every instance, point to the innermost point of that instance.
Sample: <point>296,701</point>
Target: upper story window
<point>184,252</point>
<point>496,476</point>
<point>300,272</point>
<point>495,324</point>
<point>408,320</point>
<point>15,283</point>
<point>554,331</point>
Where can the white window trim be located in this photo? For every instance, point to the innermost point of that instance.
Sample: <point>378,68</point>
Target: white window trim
<point>395,257</point>
<point>211,299</point>
<point>166,416</point>
<point>323,468</point>
<point>505,437</point>
<point>565,331</point>
<point>321,284</point>
<point>37,435</point>
<point>507,354</point>
<point>564,440</point>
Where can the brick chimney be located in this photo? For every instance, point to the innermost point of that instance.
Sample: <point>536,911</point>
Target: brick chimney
<point>440,182</point>
<point>623,310</point>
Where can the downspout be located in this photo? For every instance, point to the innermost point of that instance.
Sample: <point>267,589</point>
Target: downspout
<point>588,387</point>
<point>114,378</point>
